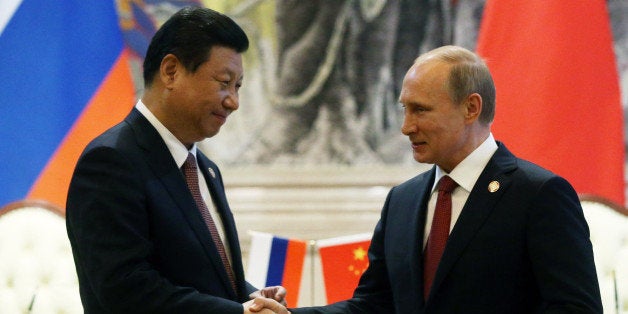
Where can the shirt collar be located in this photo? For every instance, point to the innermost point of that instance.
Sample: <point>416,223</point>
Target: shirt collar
<point>178,151</point>
<point>467,172</point>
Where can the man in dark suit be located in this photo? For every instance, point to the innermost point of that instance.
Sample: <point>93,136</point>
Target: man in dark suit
<point>515,238</point>
<point>147,216</point>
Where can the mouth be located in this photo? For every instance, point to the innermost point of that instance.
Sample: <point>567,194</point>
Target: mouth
<point>417,144</point>
<point>221,116</point>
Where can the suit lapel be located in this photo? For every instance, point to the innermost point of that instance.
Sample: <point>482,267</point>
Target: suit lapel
<point>160,160</point>
<point>479,205</point>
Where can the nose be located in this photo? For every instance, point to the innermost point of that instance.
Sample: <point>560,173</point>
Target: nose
<point>408,127</point>
<point>232,101</point>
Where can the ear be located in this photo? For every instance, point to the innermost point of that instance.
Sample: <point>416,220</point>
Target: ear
<point>473,107</point>
<point>168,69</point>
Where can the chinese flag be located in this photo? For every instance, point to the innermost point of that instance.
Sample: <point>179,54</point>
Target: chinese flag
<point>558,99</point>
<point>343,259</point>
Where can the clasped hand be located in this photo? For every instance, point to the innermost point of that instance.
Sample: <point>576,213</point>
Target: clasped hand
<point>270,300</point>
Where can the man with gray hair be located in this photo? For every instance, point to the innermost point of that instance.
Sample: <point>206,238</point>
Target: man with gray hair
<point>482,231</point>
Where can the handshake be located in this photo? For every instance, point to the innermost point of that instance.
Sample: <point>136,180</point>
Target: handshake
<point>270,300</point>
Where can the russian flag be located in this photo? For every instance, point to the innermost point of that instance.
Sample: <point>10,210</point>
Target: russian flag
<point>67,79</point>
<point>276,261</point>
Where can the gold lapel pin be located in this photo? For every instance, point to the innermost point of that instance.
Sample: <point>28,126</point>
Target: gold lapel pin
<point>493,186</point>
<point>212,173</point>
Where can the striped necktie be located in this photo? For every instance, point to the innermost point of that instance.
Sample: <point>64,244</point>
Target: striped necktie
<point>191,178</point>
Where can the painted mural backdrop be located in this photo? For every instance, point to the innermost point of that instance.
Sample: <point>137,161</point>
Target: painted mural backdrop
<point>322,79</point>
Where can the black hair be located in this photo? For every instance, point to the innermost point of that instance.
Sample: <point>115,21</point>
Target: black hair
<point>189,35</point>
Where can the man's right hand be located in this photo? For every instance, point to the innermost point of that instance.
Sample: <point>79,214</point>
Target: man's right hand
<point>264,306</point>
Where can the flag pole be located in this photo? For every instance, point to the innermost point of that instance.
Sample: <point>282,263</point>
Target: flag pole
<point>312,245</point>
<point>615,290</point>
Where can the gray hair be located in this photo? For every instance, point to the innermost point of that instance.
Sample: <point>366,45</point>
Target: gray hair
<point>469,74</point>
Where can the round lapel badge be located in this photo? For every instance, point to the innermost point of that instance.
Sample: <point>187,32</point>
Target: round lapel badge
<point>493,186</point>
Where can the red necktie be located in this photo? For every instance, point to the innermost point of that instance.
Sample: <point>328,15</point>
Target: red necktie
<point>191,177</point>
<point>439,233</point>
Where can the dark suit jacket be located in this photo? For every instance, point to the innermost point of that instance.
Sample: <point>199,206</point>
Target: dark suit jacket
<point>139,242</point>
<point>522,249</point>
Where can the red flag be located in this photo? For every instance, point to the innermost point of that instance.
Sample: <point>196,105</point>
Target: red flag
<point>558,100</point>
<point>343,260</point>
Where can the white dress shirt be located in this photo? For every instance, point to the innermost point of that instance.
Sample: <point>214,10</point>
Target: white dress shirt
<point>466,173</point>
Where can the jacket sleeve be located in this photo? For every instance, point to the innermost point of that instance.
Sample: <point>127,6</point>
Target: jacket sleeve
<point>560,250</point>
